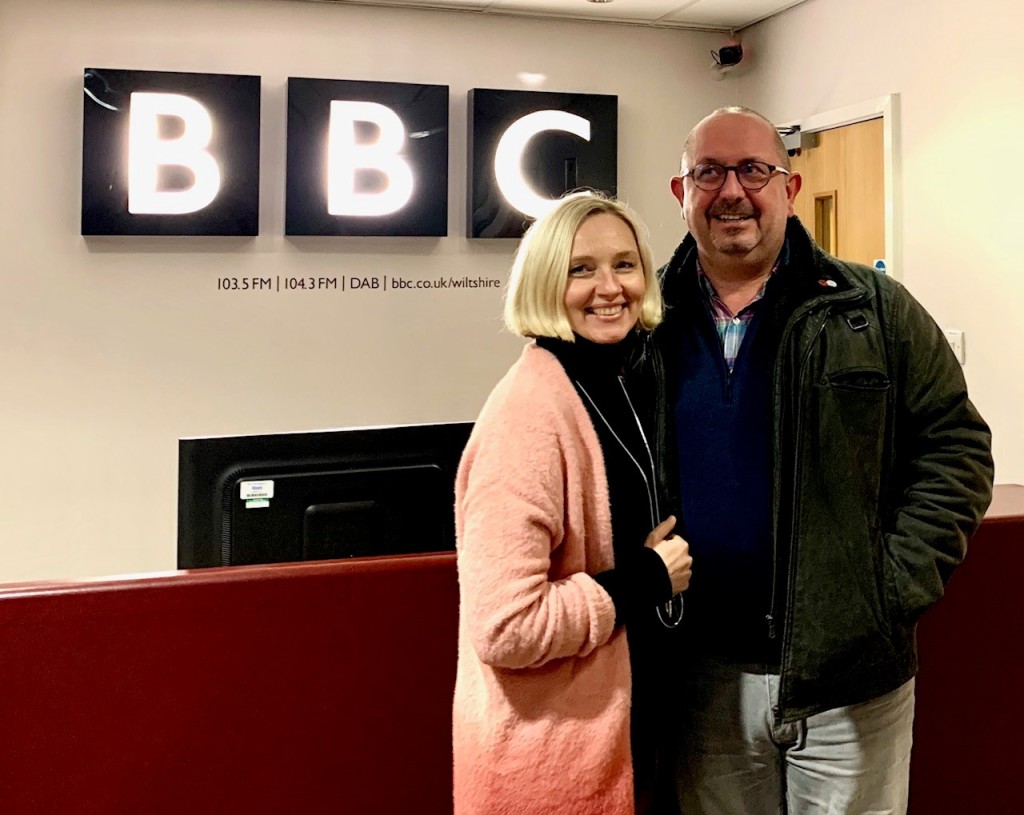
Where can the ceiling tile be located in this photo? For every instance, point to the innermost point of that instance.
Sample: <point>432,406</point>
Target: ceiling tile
<point>721,15</point>
<point>729,13</point>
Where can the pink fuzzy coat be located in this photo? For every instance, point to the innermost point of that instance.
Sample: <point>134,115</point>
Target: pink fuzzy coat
<point>541,712</point>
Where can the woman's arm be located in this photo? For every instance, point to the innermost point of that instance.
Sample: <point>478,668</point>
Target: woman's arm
<point>511,515</point>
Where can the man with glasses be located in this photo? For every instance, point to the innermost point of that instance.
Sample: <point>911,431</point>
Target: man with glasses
<point>830,469</point>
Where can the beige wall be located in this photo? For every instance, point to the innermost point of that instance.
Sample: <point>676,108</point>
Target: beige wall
<point>959,71</point>
<point>112,349</point>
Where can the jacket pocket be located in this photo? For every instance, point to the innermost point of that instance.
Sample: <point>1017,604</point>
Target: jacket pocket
<point>848,440</point>
<point>865,381</point>
<point>890,592</point>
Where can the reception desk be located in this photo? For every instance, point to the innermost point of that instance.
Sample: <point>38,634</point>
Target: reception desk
<point>326,688</point>
<point>968,718</point>
<point>289,689</point>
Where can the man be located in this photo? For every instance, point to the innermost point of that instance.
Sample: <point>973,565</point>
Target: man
<point>831,469</point>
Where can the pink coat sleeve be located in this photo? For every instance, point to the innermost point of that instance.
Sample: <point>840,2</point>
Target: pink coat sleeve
<point>513,486</point>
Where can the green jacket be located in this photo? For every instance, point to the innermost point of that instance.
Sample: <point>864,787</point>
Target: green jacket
<point>882,471</point>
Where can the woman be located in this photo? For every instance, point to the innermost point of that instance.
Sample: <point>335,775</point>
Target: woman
<point>563,583</point>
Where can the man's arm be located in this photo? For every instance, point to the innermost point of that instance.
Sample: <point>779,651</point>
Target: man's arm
<point>943,471</point>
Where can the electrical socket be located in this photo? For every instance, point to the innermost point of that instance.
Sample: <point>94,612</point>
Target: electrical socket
<point>955,338</point>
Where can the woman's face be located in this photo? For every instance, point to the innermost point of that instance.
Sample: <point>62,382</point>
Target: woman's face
<point>606,280</point>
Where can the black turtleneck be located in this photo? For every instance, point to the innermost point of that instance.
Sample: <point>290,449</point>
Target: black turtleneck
<point>639,581</point>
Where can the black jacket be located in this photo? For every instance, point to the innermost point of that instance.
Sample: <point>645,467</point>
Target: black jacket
<point>882,471</point>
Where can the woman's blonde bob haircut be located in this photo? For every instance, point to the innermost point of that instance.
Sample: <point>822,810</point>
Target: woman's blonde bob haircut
<point>535,298</point>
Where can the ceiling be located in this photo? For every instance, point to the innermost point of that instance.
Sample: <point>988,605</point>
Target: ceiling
<point>713,15</point>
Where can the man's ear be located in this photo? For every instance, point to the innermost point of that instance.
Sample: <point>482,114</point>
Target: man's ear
<point>793,184</point>
<point>677,188</point>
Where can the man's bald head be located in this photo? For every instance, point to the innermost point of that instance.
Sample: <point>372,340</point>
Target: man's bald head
<point>736,110</point>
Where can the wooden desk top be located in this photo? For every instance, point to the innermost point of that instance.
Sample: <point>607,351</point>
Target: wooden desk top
<point>1007,502</point>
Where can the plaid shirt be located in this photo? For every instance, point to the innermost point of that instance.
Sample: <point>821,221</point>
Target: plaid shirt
<point>731,327</point>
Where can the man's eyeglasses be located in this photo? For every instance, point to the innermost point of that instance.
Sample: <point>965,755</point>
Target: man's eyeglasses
<point>752,175</point>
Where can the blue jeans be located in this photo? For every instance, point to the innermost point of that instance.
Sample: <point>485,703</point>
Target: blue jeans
<point>735,760</point>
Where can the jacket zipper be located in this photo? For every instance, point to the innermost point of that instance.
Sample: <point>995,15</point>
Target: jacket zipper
<point>770,617</point>
<point>772,632</point>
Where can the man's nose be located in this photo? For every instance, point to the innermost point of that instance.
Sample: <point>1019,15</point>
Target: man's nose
<point>732,187</point>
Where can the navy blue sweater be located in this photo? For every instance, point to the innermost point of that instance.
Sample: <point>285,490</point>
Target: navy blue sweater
<point>724,434</point>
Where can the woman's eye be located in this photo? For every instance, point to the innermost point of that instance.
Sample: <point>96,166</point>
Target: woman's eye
<point>577,271</point>
<point>625,264</point>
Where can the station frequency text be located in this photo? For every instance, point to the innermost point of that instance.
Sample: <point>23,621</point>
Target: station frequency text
<point>352,283</point>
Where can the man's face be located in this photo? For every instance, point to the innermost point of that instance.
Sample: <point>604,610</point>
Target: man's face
<point>734,223</point>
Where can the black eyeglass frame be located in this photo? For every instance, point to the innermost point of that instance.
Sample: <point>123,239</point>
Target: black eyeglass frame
<point>772,170</point>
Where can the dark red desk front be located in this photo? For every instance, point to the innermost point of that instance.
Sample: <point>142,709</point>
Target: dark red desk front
<point>969,718</point>
<point>280,689</point>
<point>327,687</point>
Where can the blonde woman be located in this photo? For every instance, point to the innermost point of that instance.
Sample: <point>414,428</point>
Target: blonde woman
<point>569,574</point>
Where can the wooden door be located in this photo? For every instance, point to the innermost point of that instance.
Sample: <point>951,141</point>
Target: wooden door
<point>842,201</point>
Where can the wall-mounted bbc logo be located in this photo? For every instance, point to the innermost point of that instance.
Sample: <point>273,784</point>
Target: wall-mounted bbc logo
<point>178,154</point>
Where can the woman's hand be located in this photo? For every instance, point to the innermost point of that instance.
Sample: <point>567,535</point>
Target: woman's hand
<point>674,551</point>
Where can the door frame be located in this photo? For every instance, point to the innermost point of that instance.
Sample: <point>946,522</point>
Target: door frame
<point>887,109</point>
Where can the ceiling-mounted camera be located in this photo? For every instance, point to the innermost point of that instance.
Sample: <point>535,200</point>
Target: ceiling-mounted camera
<point>728,55</point>
<point>726,58</point>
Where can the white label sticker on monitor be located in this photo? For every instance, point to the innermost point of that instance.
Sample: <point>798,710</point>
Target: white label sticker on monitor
<point>257,489</point>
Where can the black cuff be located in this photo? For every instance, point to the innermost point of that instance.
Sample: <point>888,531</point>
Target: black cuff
<point>637,585</point>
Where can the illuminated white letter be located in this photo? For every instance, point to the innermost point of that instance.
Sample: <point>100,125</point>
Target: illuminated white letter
<point>508,159</point>
<point>147,152</point>
<point>345,157</point>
